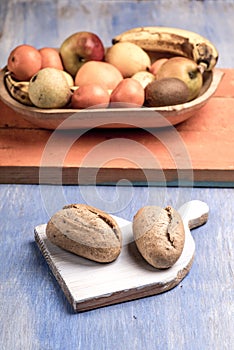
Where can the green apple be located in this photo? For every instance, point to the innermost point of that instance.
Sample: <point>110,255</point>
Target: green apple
<point>79,48</point>
<point>185,69</point>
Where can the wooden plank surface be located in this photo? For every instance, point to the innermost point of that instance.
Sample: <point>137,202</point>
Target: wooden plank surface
<point>197,151</point>
<point>32,299</point>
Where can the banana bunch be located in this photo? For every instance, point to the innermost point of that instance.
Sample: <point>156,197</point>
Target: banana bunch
<point>174,41</point>
<point>17,89</point>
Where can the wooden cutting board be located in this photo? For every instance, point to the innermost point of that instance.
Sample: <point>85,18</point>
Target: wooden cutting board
<point>199,151</point>
<point>88,285</point>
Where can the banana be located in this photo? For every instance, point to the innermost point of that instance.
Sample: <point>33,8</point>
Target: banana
<point>175,41</point>
<point>17,89</point>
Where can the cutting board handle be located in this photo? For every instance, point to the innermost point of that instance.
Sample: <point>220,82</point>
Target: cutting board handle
<point>194,213</point>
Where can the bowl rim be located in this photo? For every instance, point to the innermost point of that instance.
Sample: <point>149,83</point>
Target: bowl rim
<point>212,80</point>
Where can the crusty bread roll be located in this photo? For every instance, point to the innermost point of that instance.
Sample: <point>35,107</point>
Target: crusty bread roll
<point>159,235</point>
<point>85,231</point>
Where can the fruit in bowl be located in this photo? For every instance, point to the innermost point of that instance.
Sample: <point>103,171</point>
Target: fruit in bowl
<point>95,72</point>
<point>79,48</point>
<point>128,93</point>
<point>153,69</point>
<point>166,91</point>
<point>184,69</point>
<point>161,53</point>
<point>51,58</point>
<point>90,96</point>
<point>24,61</point>
<point>49,88</point>
<point>128,58</point>
<point>163,42</point>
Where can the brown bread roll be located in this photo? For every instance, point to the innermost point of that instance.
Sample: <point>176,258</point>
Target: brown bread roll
<point>159,235</point>
<point>85,231</point>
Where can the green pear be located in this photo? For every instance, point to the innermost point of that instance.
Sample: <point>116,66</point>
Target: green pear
<point>49,88</point>
<point>185,69</point>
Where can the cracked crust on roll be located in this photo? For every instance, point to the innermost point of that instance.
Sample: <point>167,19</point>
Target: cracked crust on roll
<point>85,231</point>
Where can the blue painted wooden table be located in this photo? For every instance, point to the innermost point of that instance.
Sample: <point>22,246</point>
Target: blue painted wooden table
<point>34,314</point>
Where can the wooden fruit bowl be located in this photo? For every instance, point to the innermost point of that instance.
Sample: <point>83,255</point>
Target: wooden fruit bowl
<point>154,117</point>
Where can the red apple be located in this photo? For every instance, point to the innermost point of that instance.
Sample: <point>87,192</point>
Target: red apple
<point>79,48</point>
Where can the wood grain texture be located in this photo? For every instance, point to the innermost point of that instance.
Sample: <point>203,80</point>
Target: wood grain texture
<point>32,299</point>
<point>197,151</point>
